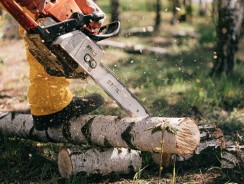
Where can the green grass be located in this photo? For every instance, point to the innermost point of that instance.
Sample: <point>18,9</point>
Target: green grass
<point>26,161</point>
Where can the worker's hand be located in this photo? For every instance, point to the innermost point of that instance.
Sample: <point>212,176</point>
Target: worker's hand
<point>34,6</point>
<point>89,7</point>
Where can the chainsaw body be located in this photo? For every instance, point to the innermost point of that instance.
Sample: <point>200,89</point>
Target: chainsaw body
<point>54,59</point>
<point>64,47</point>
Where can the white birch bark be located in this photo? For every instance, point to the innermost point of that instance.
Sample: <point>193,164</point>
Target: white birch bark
<point>95,161</point>
<point>181,135</point>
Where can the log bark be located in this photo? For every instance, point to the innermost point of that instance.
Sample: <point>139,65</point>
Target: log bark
<point>95,161</point>
<point>181,135</point>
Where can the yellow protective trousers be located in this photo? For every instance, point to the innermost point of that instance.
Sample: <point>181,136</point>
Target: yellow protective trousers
<point>47,94</point>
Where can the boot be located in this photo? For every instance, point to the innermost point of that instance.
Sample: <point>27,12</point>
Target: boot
<point>78,106</point>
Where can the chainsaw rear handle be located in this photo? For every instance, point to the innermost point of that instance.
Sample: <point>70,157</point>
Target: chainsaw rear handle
<point>104,32</point>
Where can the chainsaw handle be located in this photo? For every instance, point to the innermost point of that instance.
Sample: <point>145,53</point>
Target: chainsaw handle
<point>96,16</point>
<point>106,31</point>
<point>18,13</point>
<point>87,19</point>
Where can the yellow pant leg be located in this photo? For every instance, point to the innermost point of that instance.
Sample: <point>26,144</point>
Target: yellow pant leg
<point>46,94</point>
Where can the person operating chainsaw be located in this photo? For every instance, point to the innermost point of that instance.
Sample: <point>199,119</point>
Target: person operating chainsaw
<point>51,101</point>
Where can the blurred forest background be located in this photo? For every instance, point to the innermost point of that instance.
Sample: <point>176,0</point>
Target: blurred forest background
<point>180,57</point>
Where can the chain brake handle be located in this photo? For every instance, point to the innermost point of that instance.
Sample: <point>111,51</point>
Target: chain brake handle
<point>104,32</point>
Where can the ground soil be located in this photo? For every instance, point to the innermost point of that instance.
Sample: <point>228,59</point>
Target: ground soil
<point>14,73</point>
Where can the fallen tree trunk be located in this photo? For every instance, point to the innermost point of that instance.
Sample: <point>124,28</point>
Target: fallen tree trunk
<point>94,161</point>
<point>135,49</point>
<point>180,135</point>
<point>135,31</point>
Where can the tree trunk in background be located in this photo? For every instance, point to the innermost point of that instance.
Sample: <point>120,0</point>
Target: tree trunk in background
<point>1,11</point>
<point>215,8</point>
<point>115,10</point>
<point>175,6</point>
<point>158,16</point>
<point>189,10</point>
<point>186,12</point>
<point>230,16</point>
<point>202,8</point>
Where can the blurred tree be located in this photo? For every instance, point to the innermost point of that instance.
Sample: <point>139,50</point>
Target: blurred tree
<point>214,13</point>
<point>115,10</point>
<point>1,11</point>
<point>158,16</point>
<point>202,8</point>
<point>186,11</point>
<point>215,7</point>
<point>230,16</point>
<point>175,8</point>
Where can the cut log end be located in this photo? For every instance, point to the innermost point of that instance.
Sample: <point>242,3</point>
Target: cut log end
<point>65,164</point>
<point>188,138</point>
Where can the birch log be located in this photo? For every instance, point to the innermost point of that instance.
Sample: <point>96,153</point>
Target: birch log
<point>181,135</point>
<point>219,153</point>
<point>94,161</point>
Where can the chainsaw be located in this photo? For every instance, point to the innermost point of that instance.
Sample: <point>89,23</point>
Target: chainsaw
<point>65,48</point>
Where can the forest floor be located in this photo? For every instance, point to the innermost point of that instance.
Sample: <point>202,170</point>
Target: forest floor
<point>176,84</point>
